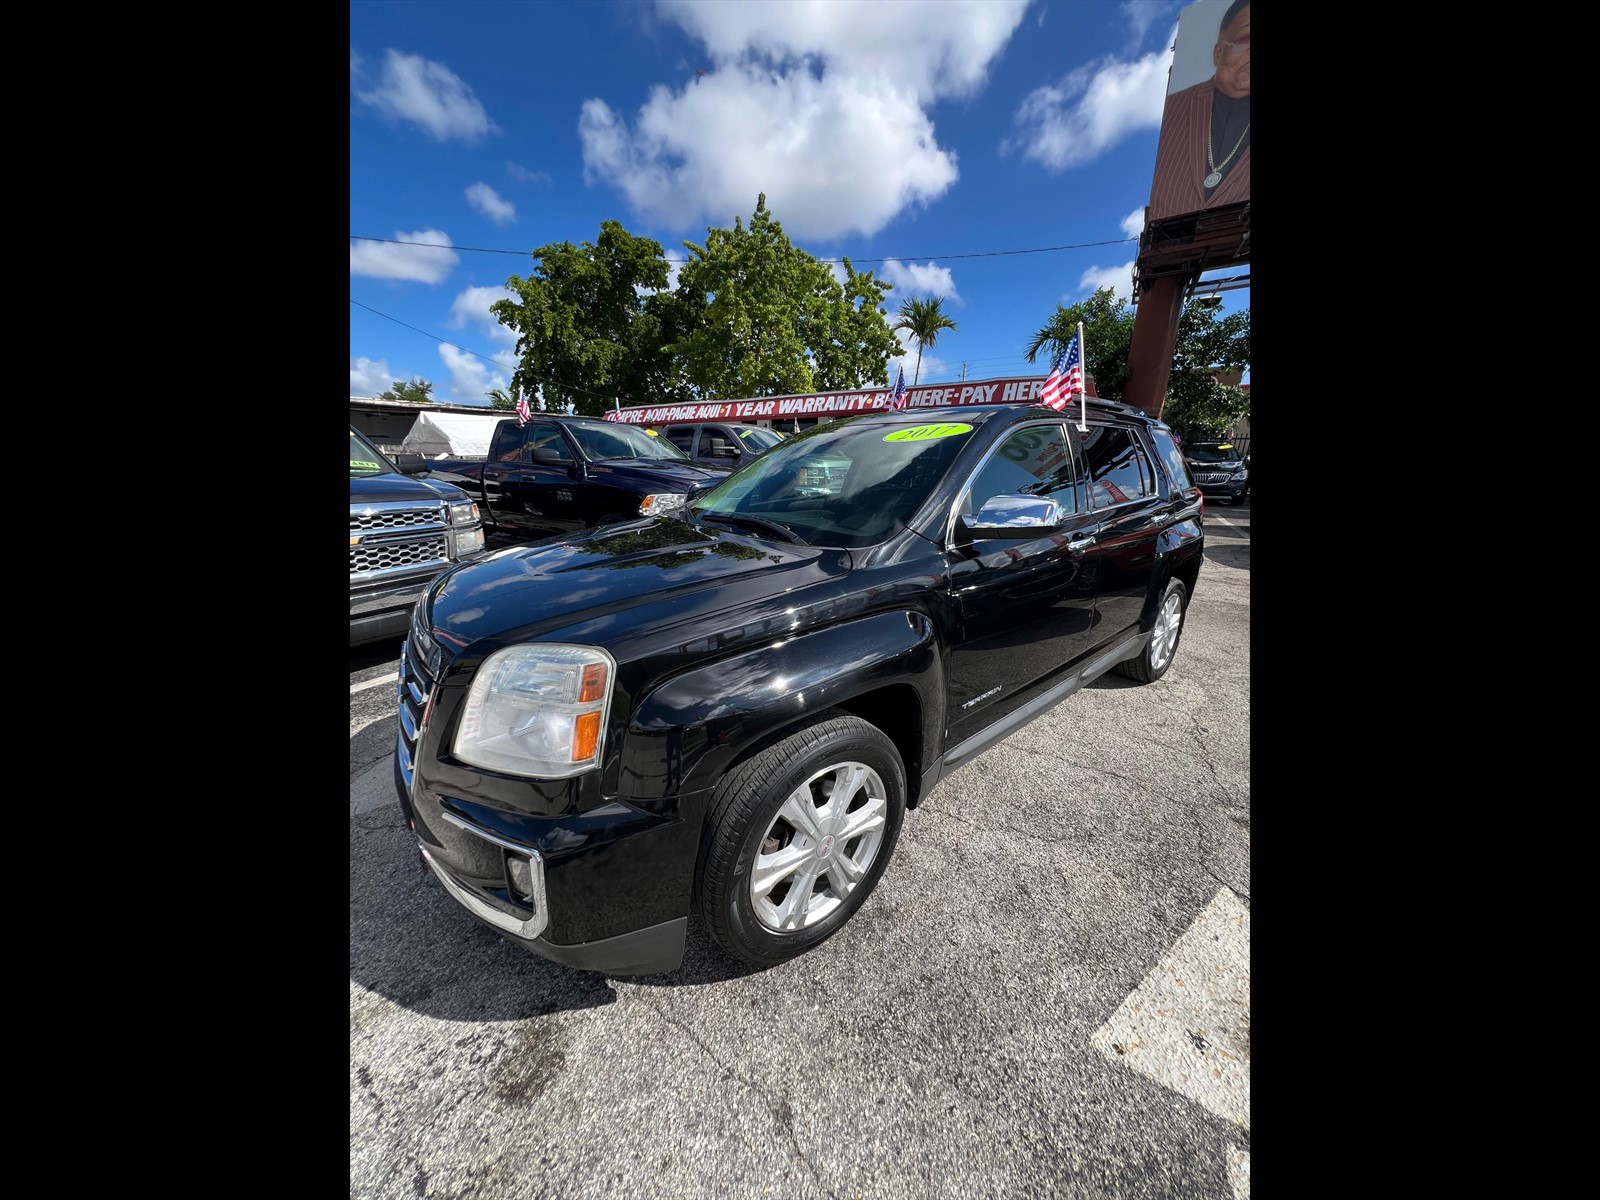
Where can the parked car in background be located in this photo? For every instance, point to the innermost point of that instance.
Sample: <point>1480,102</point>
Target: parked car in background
<point>1221,472</point>
<point>403,532</point>
<point>561,474</point>
<point>720,443</point>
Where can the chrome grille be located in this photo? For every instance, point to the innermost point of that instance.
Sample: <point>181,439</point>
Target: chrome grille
<point>382,556</point>
<point>379,518</point>
<point>415,684</point>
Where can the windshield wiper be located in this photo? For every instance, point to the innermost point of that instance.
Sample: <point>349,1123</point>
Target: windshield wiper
<point>782,531</point>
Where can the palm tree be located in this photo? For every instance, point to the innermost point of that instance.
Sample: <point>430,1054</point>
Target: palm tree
<point>923,319</point>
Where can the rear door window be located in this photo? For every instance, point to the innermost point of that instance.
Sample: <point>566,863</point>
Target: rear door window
<point>1119,469</point>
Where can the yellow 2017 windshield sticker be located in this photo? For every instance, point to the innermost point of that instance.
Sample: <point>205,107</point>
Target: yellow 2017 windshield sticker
<point>363,464</point>
<point>922,433</point>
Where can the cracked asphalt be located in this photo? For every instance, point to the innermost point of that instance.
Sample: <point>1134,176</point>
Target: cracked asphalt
<point>943,1043</point>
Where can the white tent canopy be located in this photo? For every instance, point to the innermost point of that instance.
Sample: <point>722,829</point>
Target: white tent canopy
<point>458,435</point>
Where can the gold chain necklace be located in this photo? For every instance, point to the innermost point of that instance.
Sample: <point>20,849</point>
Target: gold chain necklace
<point>1216,168</point>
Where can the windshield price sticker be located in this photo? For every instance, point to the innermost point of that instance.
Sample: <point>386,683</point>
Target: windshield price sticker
<point>923,433</point>
<point>369,466</point>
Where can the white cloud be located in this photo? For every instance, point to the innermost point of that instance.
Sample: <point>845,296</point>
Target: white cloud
<point>369,377</point>
<point>805,103</point>
<point>426,93</point>
<point>471,307</point>
<point>1142,14</point>
<point>1070,123</point>
<point>471,378</point>
<point>1133,223</point>
<point>1119,279</point>
<point>522,175</point>
<point>909,279</point>
<point>933,368</point>
<point>430,263</point>
<point>489,202</point>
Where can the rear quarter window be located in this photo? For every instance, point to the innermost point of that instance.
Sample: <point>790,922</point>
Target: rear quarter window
<point>1177,468</point>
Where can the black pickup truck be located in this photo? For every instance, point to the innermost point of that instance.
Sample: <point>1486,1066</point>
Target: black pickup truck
<point>560,474</point>
<point>730,707</point>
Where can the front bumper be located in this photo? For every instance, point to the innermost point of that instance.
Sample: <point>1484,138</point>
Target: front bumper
<point>614,886</point>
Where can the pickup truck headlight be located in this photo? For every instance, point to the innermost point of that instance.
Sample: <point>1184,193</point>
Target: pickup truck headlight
<point>463,512</point>
<point>537,710</point>
<point>660,502</point>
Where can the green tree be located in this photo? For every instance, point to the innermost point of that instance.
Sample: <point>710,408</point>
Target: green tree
<point>500,398</point>
<point>593,323</point>
<point>1196,405</point>
<point>761,317</point>
<point>1107,334</point>
<point>924,319</point>
<point>416,391</point>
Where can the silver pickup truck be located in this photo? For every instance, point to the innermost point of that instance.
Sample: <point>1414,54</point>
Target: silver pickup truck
<point>403,532</point>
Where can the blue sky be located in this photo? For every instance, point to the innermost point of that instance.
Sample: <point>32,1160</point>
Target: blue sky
<point>952,146</point>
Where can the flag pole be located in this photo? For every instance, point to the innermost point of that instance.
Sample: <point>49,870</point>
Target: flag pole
<point>1083,392</point>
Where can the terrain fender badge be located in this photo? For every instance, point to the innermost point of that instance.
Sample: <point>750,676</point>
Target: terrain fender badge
<point>985,696</point>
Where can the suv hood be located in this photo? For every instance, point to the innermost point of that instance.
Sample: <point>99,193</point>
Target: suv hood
<point>641,577</point>
<point>380,489</point>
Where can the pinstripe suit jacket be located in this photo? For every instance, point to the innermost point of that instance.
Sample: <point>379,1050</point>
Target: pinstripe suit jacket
<point>1177,186</point>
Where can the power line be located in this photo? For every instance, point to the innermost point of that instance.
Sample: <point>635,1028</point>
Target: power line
<point>509,366</point>
<point>892,258</point>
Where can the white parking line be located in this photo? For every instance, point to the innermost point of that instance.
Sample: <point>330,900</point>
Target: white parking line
<point>1187,1024</point>
<point>372,683</point>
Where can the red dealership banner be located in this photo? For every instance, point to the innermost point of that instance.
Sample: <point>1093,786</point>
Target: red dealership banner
<point>1017,390</point>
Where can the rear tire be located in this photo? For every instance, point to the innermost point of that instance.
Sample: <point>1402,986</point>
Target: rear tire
<point>798,836</point>
<point>1157,656</point>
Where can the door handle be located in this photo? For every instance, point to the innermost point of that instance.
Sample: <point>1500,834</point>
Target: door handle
<point>1081,543</point>
<point>491,474</point>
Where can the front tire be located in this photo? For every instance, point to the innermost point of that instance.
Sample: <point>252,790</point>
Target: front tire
<point>798,836</point>
<point>1157,656</point>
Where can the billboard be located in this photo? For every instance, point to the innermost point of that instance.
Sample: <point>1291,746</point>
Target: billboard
<point>1203,154</point>
<point>829,405</point>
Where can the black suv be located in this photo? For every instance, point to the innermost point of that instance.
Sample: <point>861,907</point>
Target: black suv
<point>719,443</point>
<point>728,708</point>
<point>1219,469</point>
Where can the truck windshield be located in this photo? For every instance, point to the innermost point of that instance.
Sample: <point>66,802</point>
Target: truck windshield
<point>603,440</point>
<point>840,484</point>
<point>365,459</point>
<point>759,439</point>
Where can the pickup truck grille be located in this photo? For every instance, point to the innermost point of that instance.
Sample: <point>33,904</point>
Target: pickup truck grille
<point>382,556</point>
<point>415,684</point>
<point>373,520</point>
<point>397,537</point>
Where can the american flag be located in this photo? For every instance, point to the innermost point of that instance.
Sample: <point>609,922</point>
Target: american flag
<point>1066,377</point>
<point>897,397</point>
<point>524,413</point>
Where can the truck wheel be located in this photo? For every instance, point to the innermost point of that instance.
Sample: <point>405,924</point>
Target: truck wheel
<point>1155,658</point>
<point>798,836</point>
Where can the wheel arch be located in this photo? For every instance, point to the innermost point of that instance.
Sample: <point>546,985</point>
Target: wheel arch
<point>886,669</point>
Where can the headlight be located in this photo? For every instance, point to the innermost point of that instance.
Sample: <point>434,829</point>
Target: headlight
<point>463,512</point>
<point>468,541</point>
<point>660,502</point>
<point>538,710</point>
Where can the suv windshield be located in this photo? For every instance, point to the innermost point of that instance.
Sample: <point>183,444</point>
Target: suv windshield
<point>601,441</point>
<point>1210,452</point>
<point>365,459</point>
<point>841,484</point>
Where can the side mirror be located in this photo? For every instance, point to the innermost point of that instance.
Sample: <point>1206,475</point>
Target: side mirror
<point>411,464</point>
<point>1015,515</point>
<point>546,457</point>
<point>724,452</point>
